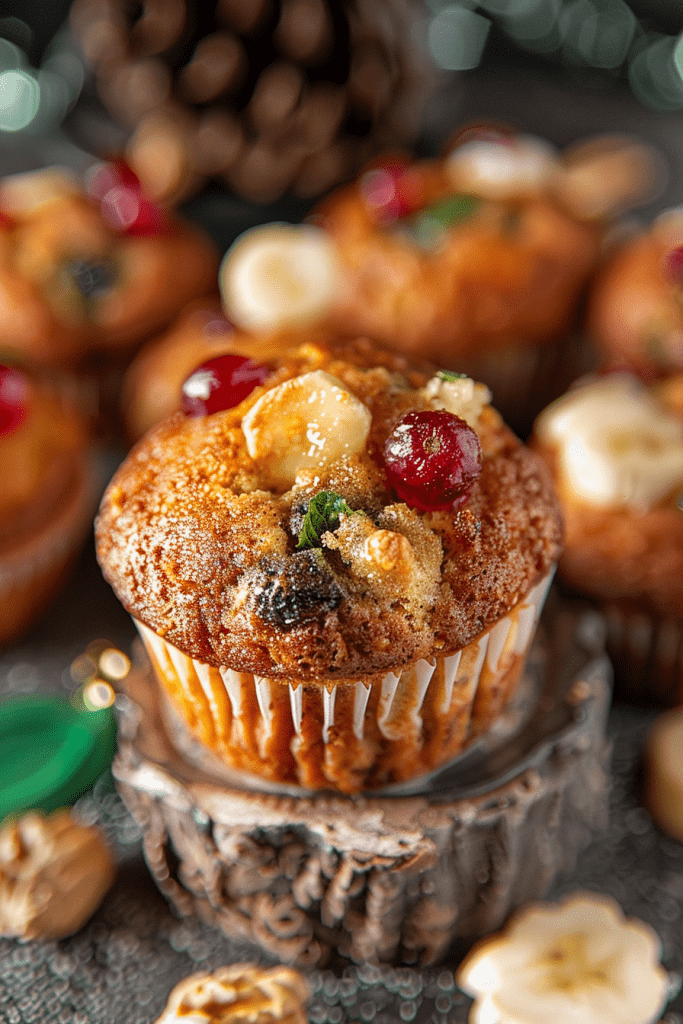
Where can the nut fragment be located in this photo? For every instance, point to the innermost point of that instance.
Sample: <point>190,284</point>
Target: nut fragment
<point>664,772</point>
<point>389,550</point>
<point>54,874</point>
<point>463,397</point>
<point>239,994</point>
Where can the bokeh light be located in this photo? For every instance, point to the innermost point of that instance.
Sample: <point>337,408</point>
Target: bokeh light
<point>19,99</point>
<point>601,34</point>
<point>457,36</point>
<point>36,100</point>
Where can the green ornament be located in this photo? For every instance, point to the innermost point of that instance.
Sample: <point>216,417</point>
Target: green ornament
<point>51,752</point>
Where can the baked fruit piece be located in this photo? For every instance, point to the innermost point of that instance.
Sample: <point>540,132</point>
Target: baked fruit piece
<point>488,247</point>
<point>91,269</point>
<point>47,496</point>
<point>615,448</point>
<point>336,562</point>
<point>635,311</point>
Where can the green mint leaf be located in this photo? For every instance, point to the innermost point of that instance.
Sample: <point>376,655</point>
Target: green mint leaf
<point>430,225</point>
<point>450,375</point>
<point>323,514</point>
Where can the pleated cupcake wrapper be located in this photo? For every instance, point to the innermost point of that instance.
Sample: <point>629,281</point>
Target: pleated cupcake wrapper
<point>353,733</point>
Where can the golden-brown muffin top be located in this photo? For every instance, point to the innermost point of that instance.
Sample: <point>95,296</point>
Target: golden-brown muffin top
<point>198,531</point>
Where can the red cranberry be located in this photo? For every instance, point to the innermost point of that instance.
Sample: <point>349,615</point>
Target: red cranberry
<point>5,221</point>
<point>117,190</point>
<point>128,211</point>
<point>432,458</point>
<point>221,383</point>
<point>13,399</point>
<point>390,192</point>
<point>106,176</point>
<point>673,265</point>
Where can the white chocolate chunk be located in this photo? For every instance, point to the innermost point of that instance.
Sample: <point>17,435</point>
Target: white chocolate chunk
<point>503,169</point>
<point>279,276</point>
<point>463,397</point>
<point>307,422</point>
<point>580,960</point>
<point>615,444</point>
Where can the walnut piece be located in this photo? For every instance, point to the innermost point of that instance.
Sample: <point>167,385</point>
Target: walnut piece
<point>239,994</point>
<point>54,874</point>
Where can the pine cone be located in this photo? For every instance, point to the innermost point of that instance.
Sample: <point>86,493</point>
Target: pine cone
<point>268,95</point>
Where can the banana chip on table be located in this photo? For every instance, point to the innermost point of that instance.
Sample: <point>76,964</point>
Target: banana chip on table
<point>576,962</point>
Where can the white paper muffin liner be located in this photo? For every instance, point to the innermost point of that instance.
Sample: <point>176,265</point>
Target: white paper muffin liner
<point>355,734</point>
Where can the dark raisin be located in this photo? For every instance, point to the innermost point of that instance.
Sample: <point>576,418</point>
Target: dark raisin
<point>302,589</point>
<point>92,279</point>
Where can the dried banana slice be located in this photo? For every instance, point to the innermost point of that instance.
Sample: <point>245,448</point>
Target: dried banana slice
<point>579,960</point>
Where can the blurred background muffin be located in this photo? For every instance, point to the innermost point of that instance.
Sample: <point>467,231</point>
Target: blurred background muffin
<point>47,495</point>
<point>635,312</point>
<point>615,448</point>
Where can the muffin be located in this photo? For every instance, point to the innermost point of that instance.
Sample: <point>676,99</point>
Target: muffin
<point>635,311</point>
<point>46,496</point>
<point>91,270</point>
<point>479,260</point>
<point>615,448</point>
<point>336,562</point>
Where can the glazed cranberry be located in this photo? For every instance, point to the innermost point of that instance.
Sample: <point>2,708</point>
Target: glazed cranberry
<point>110,175</point>
<point>118,191</point>
<point>432,459</point>
<point>126,210</point>
<point>390,192</point>
<point>13,399</point>
<point>673,265</point>
<point>221,383</point>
